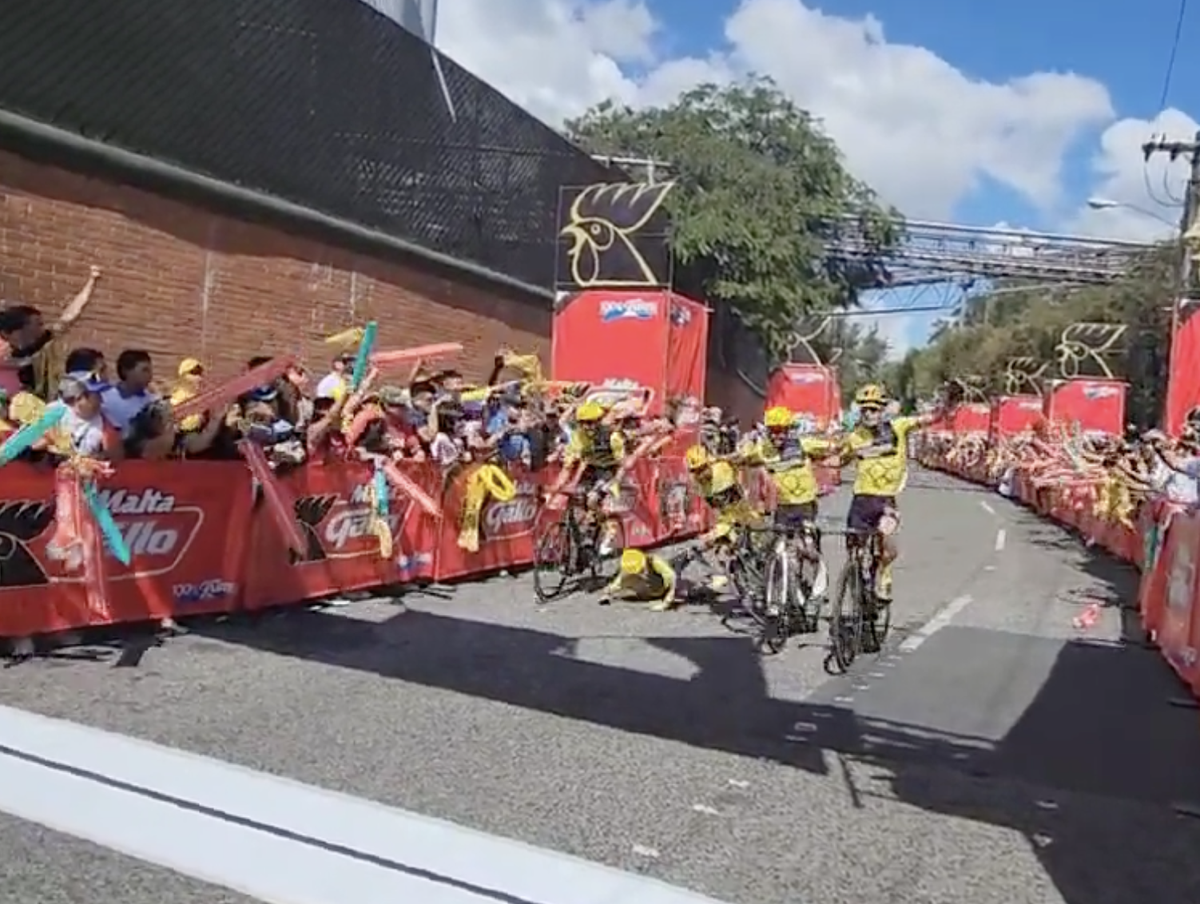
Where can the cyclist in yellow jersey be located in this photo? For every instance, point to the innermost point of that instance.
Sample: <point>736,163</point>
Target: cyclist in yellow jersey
<point>788,458</point>
<point>591,459</point>
<point>716,479</point>
<point>881,447</point>
<point>644,577</point>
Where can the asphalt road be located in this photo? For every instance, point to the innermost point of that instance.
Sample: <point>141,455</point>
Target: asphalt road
<point>993,753</point>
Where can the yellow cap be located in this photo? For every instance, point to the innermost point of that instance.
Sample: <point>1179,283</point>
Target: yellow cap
<point>188,366</point>
<point>696,458</point>
<point>779,416</point>
<point>589,411</point>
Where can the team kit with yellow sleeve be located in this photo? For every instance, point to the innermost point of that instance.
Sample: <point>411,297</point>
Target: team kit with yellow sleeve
<point>788,456</point>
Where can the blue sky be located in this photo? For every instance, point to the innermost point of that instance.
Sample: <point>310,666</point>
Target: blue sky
<point>1125,47</point>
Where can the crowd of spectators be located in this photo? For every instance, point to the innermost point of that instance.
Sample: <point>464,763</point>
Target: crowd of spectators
<point>120,410</point>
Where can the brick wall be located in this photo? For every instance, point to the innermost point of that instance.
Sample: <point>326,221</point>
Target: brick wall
<point>180,281</point>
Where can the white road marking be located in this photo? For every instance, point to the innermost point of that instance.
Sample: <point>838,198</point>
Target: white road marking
<point>940,619</point>
<point>275,839</point>
<point>986,507</point>
<point>1001,539</point>
<point>738,783</point>
<point>642,851</point>
<point>706,809</point>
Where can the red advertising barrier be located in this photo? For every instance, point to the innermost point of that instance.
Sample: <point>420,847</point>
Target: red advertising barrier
<point>203,542</point>
<point>1165,545</point>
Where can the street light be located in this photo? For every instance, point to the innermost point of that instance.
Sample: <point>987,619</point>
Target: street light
<point>1110,204</point>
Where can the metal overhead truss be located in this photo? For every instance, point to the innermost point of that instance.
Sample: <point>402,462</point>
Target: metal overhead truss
<point>931,252</point>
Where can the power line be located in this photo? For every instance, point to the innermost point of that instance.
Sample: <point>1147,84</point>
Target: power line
<point>1166,89</point>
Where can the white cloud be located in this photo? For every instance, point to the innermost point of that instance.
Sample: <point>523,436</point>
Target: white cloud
<point>1142,193</point>
<point>916,128</point>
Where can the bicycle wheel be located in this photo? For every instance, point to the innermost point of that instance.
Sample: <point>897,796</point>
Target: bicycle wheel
<point>775,613</point>
<point>845,620</point>
<point>603,566</point>
<point>551,561</point>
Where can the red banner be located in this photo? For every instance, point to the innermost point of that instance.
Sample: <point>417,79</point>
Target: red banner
<point>972,417</point>
<point>186,529</point>
<point>1096,405</point>
<point>617,340</point>
<point>687,349</point>
<point>1183,382</point>
<point>1174,635</point>
<point>334,511</point>
<point>1014,414</point>
<point>809,389</point>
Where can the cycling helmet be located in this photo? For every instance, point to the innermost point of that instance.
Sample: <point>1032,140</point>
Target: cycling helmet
<point>589,412</point>
<point>633,561</point>
<point>778,417</point>
<point>870,396</point>
<point>696,458</point>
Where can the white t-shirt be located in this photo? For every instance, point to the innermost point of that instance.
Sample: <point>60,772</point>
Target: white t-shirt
<point>331,386</point>
<point>120,410</point>
<point>86,434</point>
<point>1179,486</point>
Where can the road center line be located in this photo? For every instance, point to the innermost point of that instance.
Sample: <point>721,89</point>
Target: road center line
<point>940,619</point>
<point>1001,539</point>
<point>983,504</point>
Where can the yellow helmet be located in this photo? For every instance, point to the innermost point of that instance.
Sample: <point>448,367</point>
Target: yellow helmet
<point>871,395</point>
<point>633,561</point>
<point>589,411</point>
<point>696,458</point>
<point>779,416</point>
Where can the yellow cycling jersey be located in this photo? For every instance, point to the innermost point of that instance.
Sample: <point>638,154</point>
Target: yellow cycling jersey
<point>791,468</point>
<point>598,447</point>
<point>884,472</point>
<point>654,583</point>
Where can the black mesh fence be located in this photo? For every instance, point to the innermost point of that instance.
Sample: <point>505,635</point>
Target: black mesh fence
<point>325,103</point>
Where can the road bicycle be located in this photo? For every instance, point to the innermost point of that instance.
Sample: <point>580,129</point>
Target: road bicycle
<point>858,622</point>
<point>789,605</point>
<point>568,548</point>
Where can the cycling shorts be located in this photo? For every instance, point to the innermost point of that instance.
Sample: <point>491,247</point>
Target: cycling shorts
<point>794,517</point>
<point>866,511</point>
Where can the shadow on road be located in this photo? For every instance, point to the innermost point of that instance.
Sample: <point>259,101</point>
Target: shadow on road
<point>1087,773</point>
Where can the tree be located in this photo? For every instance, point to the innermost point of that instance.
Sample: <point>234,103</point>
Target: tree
<point>1016,322</point>
<point>760,189</point>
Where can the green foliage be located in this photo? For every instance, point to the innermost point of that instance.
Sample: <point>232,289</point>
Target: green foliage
<point>760,188</point>
<point>1011,322</point>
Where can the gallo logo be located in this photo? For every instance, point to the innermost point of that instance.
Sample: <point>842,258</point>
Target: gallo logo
<point>624,507</point>
<point>612,391</point>
<point>1098,391</point>
<point>347,531</point>
<point>515,518</point>
<point>157,530</point>
<point>631,309</point>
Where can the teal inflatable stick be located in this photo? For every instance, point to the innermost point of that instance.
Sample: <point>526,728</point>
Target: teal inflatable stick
<point>365,347</point>
<point>381,493</point>
<point>108,527</point>
<point>24,438</point>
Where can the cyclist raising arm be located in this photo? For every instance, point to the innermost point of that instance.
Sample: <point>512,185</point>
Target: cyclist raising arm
<point>881,448</point>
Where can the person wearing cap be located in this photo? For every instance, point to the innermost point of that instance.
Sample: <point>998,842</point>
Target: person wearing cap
<point>191,374</point>
<point>83,423</point>
<point>335,384</point>
<point>643,577</point>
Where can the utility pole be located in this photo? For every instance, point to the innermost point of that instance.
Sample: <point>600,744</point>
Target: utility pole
<point>1191,200</point>
<point>1187,224</point>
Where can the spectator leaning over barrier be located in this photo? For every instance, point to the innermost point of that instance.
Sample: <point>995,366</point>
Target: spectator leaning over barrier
<point>1178,471</point>
<point>153,435</point>
<point>27,344</point>
<point>336,383</point>
<point>87,430</point>
<point>131,393</point>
